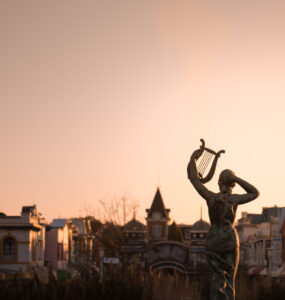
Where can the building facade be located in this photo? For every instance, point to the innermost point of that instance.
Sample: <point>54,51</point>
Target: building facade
<point>260,241</point>
<point>58,244</point>
<point>22,240</point>
<point>134,236</point>
<point>83,241</point>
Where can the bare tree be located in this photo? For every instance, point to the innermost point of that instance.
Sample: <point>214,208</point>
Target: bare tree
<point>87,209</point>
<point>118,210</point>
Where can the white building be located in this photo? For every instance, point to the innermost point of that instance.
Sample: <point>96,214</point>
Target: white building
<point>22,240</point>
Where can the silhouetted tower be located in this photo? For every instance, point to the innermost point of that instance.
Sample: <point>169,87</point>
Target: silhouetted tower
<point>157,220</point>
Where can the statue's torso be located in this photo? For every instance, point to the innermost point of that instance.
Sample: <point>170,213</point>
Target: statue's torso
<point>222,237</point>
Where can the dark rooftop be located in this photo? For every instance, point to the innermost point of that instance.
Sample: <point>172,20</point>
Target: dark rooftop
<point>134,225</point>
<point>26,209</point>
<point>158,206</point>
<point>201,225</point>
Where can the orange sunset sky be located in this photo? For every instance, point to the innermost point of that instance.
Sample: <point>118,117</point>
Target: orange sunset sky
<point>103,98</point>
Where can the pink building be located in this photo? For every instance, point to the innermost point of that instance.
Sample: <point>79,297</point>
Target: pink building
<point>58,244</point>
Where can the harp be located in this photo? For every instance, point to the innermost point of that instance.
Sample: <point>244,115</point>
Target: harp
<point>207,156</point>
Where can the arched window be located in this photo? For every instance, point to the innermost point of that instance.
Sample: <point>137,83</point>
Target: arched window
<point>9,250</point>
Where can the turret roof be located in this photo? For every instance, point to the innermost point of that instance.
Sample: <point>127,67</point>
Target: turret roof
<point>158,205</point>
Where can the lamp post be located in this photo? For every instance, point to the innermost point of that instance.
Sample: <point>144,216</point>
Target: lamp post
<point>101,255</point>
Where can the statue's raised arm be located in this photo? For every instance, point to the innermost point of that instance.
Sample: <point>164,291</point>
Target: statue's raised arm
<point>195,174</point>
<point>251,192</point>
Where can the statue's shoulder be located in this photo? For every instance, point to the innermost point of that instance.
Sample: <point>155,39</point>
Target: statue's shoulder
<point>213,200</point>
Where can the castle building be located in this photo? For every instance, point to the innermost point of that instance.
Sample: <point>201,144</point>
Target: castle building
<point>157,220</point>
<point>134,233</point>
<point>195,236</point>
<point>134,241</point>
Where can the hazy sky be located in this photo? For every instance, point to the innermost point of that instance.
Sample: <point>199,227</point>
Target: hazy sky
<point>103,98</point>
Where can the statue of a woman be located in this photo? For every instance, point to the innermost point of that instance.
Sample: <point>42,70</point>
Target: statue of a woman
<point>222,243</point>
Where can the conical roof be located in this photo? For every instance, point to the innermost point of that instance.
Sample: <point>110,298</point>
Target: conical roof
<point>158,205</point>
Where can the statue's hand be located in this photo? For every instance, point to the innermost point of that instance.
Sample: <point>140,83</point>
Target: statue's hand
<point>196,154</point>
<point>194,157</point>
<point>232,177</point>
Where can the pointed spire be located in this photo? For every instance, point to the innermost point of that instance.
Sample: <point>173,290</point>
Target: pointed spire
<point>158,179</point>
<point>158,205</point>
<point>134,212</point>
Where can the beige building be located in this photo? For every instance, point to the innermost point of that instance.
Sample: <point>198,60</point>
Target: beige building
<point>22,240</point>
<point>258,235</point>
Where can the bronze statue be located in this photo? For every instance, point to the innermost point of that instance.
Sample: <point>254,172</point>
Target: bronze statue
<point>222,243</point>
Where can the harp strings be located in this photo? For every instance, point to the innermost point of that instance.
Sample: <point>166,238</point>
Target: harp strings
<point>207,160</point>
<point>204,162</point>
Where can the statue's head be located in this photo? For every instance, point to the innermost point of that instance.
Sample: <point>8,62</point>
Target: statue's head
<point>226,182</point>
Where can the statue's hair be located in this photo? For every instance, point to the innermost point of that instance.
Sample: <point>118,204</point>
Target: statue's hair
<point>224,176</point>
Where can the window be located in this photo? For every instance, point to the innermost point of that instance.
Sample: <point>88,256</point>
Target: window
<point>9,250</point>
<point>40,250</point>
<point>156,215</point>
<point>34,248</point>
<point>157,231</point>
<point>60,251</point>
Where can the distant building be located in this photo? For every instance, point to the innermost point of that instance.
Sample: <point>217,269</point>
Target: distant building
<point>260,242</point>
<point>281,230</point>
<point>195,236</point>
<point>134,241</point>
<point>187,256</point>
<point>83,241</point>
<point>279,247</point>
<point>22,240</point>
<point>58,244</point>
<point>134,233</point>
<point>157,220</point>
<point>186,232</point>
